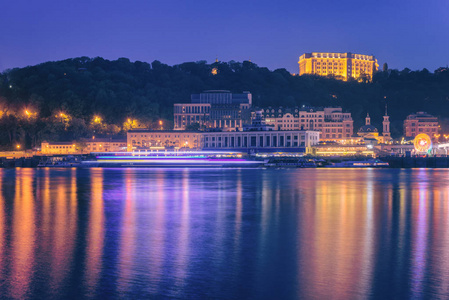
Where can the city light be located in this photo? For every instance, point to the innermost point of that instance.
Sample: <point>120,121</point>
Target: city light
<point>18,146</point>
<point>29,114</point>
<point>97,119</point>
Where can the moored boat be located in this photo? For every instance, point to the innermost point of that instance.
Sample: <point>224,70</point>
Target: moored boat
<point>369,163</point>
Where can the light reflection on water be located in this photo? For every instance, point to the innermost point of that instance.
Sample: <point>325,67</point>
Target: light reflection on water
<point>224,233</point>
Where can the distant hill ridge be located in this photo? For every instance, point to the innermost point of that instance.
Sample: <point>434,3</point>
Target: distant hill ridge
<point>120,89</point>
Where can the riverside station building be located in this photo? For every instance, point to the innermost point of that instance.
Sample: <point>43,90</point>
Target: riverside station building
<point>257,141</point>
<point>257,137</point>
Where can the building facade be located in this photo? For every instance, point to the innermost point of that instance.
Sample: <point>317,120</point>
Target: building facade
<point>55,148</point>
<point>341,65</point>
<point>332,122</point>
<point>214,109</point>
<point>102,145</point>
<point>83,146</point>
<point>257,137</point>
<point>143,139</point>
<point>421,122</point>
<point>269,140</point>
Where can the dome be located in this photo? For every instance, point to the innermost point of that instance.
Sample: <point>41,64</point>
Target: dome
<point>367,129</point>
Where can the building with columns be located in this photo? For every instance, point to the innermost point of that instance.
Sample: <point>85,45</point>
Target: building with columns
<point>261,141</point>
<point>214,109</point>
<point>332,122</point>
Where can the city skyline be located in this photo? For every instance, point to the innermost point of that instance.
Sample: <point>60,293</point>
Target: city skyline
<point>270,35</point>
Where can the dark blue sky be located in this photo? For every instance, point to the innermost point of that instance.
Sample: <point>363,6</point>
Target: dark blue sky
<point>273,34</point>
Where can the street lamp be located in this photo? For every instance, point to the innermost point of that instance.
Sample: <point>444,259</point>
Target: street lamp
<point>160,123</point>
<point>97,119</point>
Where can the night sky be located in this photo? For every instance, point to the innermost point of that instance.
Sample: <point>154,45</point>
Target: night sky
<point>413,34</point>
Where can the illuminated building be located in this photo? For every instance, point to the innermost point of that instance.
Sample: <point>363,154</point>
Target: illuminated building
<point>258,136</point>
<point>83,146</point>
<point>214,109</point>
<point>269,140</point>
<point>143,139</point>
<point>421,122</point>
<point>370,135</point>
<point>51,148</point>
<point>341,65</point>
<point>368,130</point>
<point>332,122</point>
<point>102,145</point>
<point>343,150</point>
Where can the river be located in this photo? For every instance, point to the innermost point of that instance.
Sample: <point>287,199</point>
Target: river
<point>224,233</point>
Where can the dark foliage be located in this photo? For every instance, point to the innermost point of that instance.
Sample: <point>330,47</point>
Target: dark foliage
<point>117,90</point>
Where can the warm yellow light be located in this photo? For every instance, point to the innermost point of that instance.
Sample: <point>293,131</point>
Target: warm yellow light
<point>160,122</point>
<point>18,146</point>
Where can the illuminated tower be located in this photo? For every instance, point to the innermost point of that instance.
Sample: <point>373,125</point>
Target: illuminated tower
<point>386,126</point>
<point>367,119</point>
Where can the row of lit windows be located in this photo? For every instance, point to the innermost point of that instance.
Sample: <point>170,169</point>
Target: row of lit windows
<point>335,136</point>
<point>61,147</point>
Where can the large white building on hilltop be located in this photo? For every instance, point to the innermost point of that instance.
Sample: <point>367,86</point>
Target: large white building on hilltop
<point>332,122</point>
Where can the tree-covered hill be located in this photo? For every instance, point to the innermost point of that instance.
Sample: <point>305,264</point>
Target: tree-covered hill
<point>80,97</point>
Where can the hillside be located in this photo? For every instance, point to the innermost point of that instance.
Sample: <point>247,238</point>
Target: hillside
<point>80,97</point>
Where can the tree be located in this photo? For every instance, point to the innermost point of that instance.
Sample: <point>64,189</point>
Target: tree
<point>193,127</point>
<point>385,67</point>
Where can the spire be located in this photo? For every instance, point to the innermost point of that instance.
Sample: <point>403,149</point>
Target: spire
<point>216,59</point>
<point>367,120</point>
<point>386,126</point>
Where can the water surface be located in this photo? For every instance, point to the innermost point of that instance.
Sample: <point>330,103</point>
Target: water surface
<point>224,233</point>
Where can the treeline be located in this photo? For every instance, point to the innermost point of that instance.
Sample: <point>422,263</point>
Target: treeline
<point>80,97</point>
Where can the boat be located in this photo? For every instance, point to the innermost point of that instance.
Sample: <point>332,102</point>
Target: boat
<point>369,163</point>
<point>289,162</point>
<point>154,159</point>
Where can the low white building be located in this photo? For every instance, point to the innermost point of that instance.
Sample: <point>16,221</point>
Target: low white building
<point>274,140</point>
